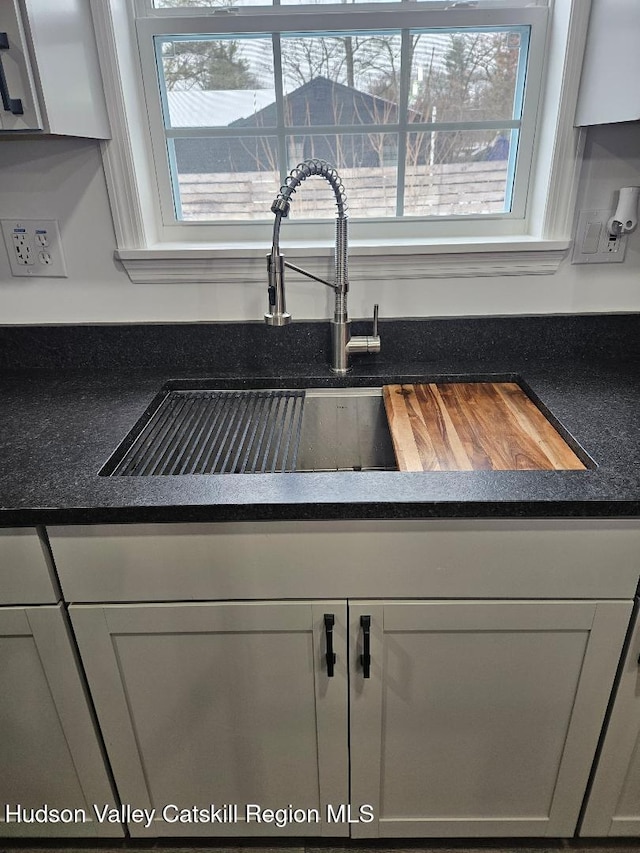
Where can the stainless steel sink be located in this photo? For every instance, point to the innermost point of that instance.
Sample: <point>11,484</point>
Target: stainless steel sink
<point>194,430</point>
<point>201,431</point>
<point>345,430</point>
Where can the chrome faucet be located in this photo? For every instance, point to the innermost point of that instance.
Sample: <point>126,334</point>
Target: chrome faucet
<point>342,342</point>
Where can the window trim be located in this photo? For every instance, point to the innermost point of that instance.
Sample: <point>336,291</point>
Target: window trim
<point>380,19</point>
<point>148,258</point>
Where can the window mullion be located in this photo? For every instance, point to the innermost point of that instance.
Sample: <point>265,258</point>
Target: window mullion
<point>403,106</point>
<point>280,124</point>
<point>330,129</point>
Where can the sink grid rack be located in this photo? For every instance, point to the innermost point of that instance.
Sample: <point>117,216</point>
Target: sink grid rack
<point>215,432</point>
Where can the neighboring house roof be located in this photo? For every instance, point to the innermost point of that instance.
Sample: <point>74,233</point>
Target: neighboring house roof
<point>324,102</point>
<point>318,102</point>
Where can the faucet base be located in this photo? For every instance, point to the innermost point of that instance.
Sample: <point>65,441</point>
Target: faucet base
<point>277,319</point>
<point>340,335</point>
<point>343,345</point>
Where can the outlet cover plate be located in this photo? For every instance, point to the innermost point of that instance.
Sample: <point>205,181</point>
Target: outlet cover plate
<point>34,247</point>
<point>593,244</point>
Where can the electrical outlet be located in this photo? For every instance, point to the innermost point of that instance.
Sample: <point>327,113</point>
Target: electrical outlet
<point>34,247</point>
<point>22,248</point>
<point>593,244</point>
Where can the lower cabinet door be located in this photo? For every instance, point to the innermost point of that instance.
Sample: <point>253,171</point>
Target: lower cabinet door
<point>613,807</point>
<point>52,771</point>
<point>222,719</point>
<point>477,718</point>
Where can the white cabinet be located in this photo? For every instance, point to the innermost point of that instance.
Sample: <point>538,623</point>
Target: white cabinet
<point>50,754</point>
<point>26,573</point>
<point>493,650</point>
<point>473,718</point>
<point>609,90</point>
<point>613,807</point>
<point>529,558</point>
<point>50,77</point>
<point>479,718</point>
<point>52,767</point>
<point>223,704</point>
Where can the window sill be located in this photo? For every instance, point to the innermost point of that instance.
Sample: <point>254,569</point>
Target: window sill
<point>368,260</point>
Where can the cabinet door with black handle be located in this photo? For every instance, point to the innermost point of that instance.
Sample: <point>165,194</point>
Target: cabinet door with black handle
<point>207,708</point>
<point>478,718</point>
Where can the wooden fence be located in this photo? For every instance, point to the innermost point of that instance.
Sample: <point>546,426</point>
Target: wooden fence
<point>459,188</point>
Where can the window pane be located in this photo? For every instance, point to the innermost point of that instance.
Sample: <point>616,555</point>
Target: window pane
<point>211,4</point>
<point>460,172</point>
<point>465,75</point>
<point>341,79</point>
<point>367,163</point>
<point>335,83</point>
<point>314,2</point>
<point>216,82</point>
<point>223,4</point>
<point>225,178</point>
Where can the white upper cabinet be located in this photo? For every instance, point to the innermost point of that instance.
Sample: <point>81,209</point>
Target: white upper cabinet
<point>50,78</point>
<point>609,89</point>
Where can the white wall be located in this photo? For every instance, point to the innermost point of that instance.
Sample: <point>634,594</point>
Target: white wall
<point>64,180</point>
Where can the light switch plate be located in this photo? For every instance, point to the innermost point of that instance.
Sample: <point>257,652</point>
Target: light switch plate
<point>34,247</point>
<point>593,244</point>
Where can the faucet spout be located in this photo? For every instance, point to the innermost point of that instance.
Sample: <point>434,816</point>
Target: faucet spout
<point>277,315</point>
<point>342,342</point>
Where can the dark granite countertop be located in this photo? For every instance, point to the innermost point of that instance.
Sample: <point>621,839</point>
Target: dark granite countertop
<point>60,425</point>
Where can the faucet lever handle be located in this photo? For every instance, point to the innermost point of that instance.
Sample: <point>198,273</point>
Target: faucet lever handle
<point>374,331</point>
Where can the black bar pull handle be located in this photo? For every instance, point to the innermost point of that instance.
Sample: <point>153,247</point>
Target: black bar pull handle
<point>10,105</point>
<point>365,657</point>
<point>329,620</point>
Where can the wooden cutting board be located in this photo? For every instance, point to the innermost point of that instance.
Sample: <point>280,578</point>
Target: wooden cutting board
<point>470,426</point>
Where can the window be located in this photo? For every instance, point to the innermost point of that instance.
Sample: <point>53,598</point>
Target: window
<point>425,111</point>
<point>451,123</point>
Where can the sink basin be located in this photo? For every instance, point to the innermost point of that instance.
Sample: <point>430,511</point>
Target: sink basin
<point>460,425</point>
<point>345,430</point>
<point>261,431</point>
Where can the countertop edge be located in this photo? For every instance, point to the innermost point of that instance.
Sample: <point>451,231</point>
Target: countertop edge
<point>395,510</point>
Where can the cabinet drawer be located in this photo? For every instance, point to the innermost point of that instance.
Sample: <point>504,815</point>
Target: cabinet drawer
<point>26,576</point>
<point>348,559</point>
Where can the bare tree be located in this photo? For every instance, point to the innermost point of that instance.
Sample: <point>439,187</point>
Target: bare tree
<point>209,64</point>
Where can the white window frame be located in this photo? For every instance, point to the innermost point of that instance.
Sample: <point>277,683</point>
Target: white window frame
<point>154,251</point>
<point>333,18</point>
